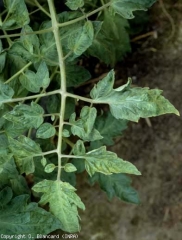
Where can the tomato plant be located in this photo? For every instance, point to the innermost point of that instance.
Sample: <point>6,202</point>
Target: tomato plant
<point>48,132</point>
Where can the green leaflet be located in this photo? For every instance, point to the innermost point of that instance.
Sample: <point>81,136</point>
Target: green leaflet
<point>9,175</point>
<point>75,4</point>
<point>34,81</point>
<point>14,129</point>
<point>69,167</point>
<point>6,93</point>
<point>131,103</point>
<point>109,127</point>
<point>4,158</point>
<point>2,57</point>
<point>30,116</point>
<point>30,42</point>
<point>76,75</point>
<point>84,127</point>
<point>6,195</point>
<point>118,185</point>
<point>79,149</point>
<point>46,130</point>
<point>103,161</point>
<point>17,15</point>
<point>49,168</point>
<point>63,202</point>
<point>43,161</point>
<point>48,47</point>
<point>20,217</point>
<point>53,103</point>
<point>19,185</point>
<point>24,149</point>
<point>112,41</point>
<point>8,171</point>
<point>125,8</point>
<point>2,60</point>
<point>79,42</point>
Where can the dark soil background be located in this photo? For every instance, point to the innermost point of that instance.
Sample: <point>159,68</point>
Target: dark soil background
<point>155,147</point>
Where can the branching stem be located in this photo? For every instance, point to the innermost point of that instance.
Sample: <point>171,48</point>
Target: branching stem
<point>55,26</point>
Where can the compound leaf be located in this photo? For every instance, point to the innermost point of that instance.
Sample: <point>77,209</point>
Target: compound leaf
<point>19,216</point>
<point>27,115</point>
<point>84,127</point>
<point>131,103</point>
<point>118,185</point>
<point>125,8</point>
<point>63,202</point>
<point>46,130</point>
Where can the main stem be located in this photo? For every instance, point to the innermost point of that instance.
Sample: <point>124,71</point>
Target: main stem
<point>55,26</point>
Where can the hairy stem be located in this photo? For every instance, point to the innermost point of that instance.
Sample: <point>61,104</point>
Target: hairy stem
<point>31,97</point>
<point>55,27</point>
<point>41,8</point>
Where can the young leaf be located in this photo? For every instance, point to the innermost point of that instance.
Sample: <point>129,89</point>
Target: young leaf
<point>43,161</point>
<point>19,216</point>
<point>118,185</point>
<point>63,202</point>
<point>46,130</point>
<point>125,8</point>
<point>6,92</point>
<point>109,127</point>
<point>103,161</point>
<point>29,116</point>
<point>131,104</point>
<point>84,127</point>
<point>69,167</point>
<point>75,4</point>
<point>17,15</point>
<point>34,81</point>
<point>49,168</point>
